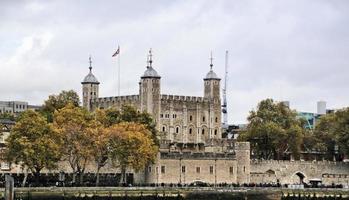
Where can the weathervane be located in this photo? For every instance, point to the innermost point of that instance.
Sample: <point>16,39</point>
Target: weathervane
<point>211,58</point>
<point>90,61</point>
<point>150,58</point>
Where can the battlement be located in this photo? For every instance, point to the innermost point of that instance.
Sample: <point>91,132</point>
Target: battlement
<point>182,98</point>
<point>299,162</point>
<point>197,155</point>
<point>242,146</point>
<point>116,99</point>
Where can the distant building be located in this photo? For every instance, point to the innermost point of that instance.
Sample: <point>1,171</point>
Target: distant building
<point>311,117</point>
<point>15,107</point>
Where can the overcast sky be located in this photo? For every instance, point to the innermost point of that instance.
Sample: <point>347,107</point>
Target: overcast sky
<point>294,50</point>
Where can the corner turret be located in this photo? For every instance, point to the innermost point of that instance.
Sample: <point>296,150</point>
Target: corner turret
<point>90,88</point>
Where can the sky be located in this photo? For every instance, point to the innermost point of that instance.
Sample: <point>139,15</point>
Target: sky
<point>292,50</point>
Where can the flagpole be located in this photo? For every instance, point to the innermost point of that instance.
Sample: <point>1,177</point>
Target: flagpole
<point>119,72</point>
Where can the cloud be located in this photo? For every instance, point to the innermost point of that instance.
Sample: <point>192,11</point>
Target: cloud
<point>290,50</point>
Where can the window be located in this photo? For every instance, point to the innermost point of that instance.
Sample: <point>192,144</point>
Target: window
<point>163,169</point>
<point>163,129</point>
<point>244,169</point>
<point>190,131</point>
<point>183,169</point>
<point>216,120</point>
<point>211,169</point>
<point>231,170</point>
<point>203,119</point>
<point>161,115</point>
<point>203,131</point>
<point>215,131</point>
<point>198,169</point>
<point>174,116</point>
<point>149,169</point>
<point>177,129</point>
<point>190,118</point>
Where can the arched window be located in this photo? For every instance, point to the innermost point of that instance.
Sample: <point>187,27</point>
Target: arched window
<point>203,131</point>
<point>163,128</point>
<point>203,119</point>
<point>215,131</point>
<point>216,119</point>
<point>190,118</point>
<point>190,130</point>
<point>177,129</point>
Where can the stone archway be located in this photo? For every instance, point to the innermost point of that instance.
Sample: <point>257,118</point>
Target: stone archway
<point>298,178</point>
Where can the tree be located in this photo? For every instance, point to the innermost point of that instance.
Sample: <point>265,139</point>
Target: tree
<point>33,143</point>
<point>9,116</point>
<point>128,113</point>
<point>333,129</point>
<point>341,130</point>
<point>56,102</point>
<point>100,137</point>
<point>131,145</point>
<point>273,130</point>
<point>324,135</point>
<point>73,124</point>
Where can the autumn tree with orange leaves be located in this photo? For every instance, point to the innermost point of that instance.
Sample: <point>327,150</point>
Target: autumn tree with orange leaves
<point>131,145</point>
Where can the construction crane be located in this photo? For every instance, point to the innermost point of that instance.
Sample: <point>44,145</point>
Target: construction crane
<point>224,106</point>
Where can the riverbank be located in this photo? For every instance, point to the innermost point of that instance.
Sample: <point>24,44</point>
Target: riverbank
<point>171,193</point>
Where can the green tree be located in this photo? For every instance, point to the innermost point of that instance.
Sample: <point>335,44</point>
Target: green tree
<point>324,135</point>
<point>33,143</point>
<point>131,145</point>
<point>341,130</point>
<point>73,123</point>
<point>273,130</point>
<point>333,129</point>
<point>9,116</point>
<point>56,102</point>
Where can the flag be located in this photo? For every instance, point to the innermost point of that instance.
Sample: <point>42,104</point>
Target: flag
<point>116,52</point>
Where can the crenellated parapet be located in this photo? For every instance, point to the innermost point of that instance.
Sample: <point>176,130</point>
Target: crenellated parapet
<point>197,155</point>
<point>165,97</point>
<point>117,101</point>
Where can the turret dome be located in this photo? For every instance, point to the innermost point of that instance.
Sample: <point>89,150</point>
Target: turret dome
<point>150,73</point>
<point>90,78</point>
<point>211,75</point>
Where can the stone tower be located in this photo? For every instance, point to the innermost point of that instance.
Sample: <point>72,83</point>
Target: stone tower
<point>150,91</point>
<point>212,94</point>
<point>90,87</point>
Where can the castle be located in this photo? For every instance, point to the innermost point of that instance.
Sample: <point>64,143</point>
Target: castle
<point>190,131</point>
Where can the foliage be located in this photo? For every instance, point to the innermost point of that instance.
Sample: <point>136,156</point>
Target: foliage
<point>56,102</point>
<point>9,116</point>
<point>333,129</point>
<point>273,130</point>
<point>131,145</point>
<point>73,124</point>
<point>128,113</point>
<point>33,143</point>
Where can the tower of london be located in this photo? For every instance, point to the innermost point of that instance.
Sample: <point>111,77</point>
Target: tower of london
<point>189,129</point>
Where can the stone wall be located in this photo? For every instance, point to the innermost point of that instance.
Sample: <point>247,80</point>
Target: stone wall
<point>213,169</point>
<point>291,172</point>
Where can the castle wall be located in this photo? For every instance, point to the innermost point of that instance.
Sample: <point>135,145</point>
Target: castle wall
<point>289,172</point>
<point>186,169</point>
